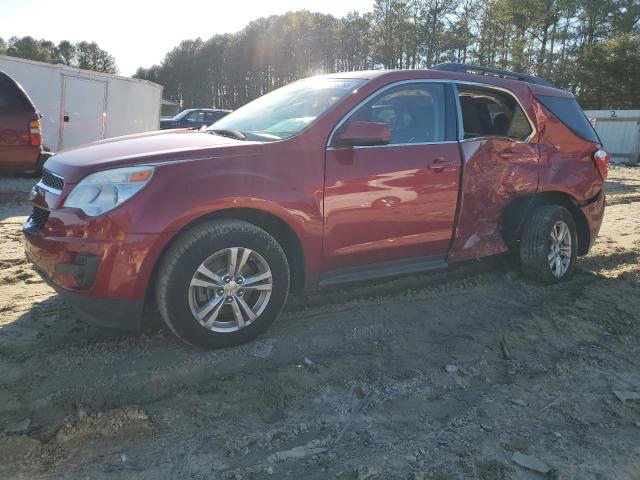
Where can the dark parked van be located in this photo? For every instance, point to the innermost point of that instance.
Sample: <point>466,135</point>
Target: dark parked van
<point>20,134</point>
<point>193,118</point>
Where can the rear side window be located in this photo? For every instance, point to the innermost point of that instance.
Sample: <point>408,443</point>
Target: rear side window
<point>214,116</point>
<point>9,95</point>
<point>569,112</point>
<point>490,113</point>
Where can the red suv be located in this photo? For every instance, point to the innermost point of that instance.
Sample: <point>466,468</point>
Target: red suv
<point>20,135</point>
<point>329,180</point>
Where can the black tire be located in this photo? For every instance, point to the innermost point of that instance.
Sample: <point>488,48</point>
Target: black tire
<point>536,243</point>
<point>180,262</point>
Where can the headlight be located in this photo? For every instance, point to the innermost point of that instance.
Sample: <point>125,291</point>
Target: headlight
<point>103,191</point>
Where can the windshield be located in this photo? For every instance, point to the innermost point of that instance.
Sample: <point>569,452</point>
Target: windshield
<point>288,110</point>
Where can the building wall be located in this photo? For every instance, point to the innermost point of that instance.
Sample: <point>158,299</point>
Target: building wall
<point>619,130</point>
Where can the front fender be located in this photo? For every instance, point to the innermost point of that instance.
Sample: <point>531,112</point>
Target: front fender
<point>184,193</point>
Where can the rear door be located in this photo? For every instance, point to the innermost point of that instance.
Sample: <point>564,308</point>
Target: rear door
<point>500,160</point>
<point>395,201</point>
<point>84,112</point>
<point>211,117</point>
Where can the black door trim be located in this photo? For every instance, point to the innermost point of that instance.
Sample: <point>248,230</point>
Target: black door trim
<point>374,271</point>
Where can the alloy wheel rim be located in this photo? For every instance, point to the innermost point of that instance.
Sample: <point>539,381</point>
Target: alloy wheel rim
<point>230,289</point>
<point>560,249</point>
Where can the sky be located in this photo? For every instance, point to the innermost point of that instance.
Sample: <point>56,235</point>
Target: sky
<point>140,32</point>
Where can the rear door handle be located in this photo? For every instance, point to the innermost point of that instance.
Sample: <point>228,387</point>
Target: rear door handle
<point>440,164</point>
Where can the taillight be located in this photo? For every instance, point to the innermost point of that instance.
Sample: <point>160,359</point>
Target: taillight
<point>35,134</point>
<point>602,159</point>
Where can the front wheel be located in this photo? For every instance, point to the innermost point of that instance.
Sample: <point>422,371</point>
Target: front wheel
<point>548,248</point>
<point>222,283</point>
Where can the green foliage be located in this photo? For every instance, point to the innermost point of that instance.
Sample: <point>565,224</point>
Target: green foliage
<point>30,48</point>
<point>609,73</point>
<point>586,46</point>
<point>91,57</point>
<point>66,53</point>
<point>85,55</point>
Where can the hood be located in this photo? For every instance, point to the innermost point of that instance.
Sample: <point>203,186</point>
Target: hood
<point>151,147</point>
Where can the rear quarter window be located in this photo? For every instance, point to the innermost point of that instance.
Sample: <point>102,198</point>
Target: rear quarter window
<point>9,95</point>
<point>569,112</point>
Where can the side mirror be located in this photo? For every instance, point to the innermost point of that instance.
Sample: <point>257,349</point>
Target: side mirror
<point>364,134</point>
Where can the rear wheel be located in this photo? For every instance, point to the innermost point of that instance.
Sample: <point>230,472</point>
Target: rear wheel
<point>222,283</point>
<point>548,249</point>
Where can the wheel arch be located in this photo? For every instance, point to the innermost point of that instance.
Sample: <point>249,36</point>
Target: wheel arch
<point>271,223</point>
<point>516,213</point>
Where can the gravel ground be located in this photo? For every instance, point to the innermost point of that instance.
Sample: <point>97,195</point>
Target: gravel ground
<point>471,373</point>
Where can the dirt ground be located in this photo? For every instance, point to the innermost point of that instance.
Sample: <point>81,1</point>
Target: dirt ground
<point>444,376</point>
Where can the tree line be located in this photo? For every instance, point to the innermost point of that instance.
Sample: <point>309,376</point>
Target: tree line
<point>84,55</point>
<point>589,47</point>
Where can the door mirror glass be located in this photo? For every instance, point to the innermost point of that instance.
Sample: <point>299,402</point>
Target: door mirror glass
<point>364,134</point>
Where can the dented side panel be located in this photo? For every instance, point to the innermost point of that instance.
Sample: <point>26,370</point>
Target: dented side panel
<point>566,160</point>
<point>496,172</point>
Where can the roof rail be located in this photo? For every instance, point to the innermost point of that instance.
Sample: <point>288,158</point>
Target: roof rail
<point>478,70</point>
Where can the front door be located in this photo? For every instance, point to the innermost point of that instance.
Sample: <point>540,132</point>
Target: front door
<point>83,112</point>
<point>395,201</point>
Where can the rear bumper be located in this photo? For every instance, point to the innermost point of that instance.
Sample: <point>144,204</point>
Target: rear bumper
<point>15,160</point>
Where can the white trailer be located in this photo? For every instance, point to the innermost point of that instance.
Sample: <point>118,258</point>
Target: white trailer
<point>81,106</point>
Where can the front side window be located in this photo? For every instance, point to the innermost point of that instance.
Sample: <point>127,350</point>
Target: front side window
<point>414,112</point>
<point>288,110</point>
<point>195,117</point>
<point>490,113</point>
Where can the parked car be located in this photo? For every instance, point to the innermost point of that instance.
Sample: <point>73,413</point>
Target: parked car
<point>330,180</point>
<point>193,118</point>
<point>20,135</point>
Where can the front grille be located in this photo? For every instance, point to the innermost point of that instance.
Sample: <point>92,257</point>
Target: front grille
<point>39,216</point>
<point>51,180</point>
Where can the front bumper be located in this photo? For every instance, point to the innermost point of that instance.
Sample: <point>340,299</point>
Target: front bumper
<point>104,280</point>
<point>123,315</point>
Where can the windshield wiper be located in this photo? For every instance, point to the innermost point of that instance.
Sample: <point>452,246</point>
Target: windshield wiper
<point>228,132</point>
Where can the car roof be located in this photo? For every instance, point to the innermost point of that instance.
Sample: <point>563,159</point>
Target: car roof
<point>210,109</point>
<point>390,76</point>
<point>204,110</point>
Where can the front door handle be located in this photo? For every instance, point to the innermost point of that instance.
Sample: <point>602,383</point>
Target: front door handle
<point>508,154</point>
<point>440,164</point>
